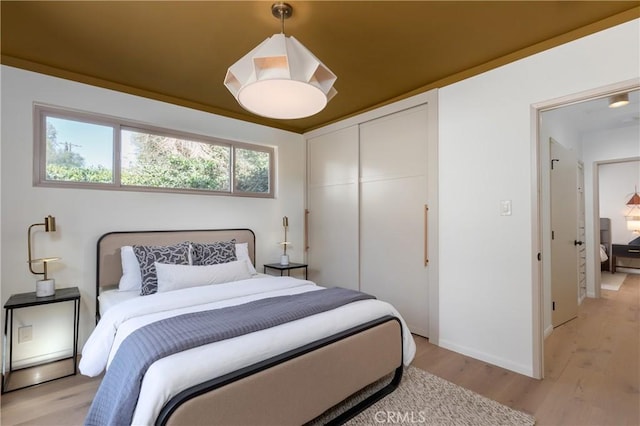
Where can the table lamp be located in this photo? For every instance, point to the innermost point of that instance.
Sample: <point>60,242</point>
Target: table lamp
<point>46,286</point>
<point>284,259</point>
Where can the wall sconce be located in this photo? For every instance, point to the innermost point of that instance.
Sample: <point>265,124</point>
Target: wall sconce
<point>633,215</point>
<point>284,259</point>
<point>45,286</point>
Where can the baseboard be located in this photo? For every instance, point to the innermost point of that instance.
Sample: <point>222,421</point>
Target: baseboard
<point>482,356</point>
<point>548,331</point>
<point>42,359</point>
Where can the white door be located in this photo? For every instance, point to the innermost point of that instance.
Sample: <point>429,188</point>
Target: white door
<point>393,194</point>
<point>332,221</point>
<point>564,238</point>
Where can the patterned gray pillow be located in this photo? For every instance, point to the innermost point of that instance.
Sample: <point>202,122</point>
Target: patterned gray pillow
<point>213,253</point>
<point>147,256</point>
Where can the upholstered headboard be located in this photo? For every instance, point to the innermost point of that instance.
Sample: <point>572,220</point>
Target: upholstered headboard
<point>109,268</point>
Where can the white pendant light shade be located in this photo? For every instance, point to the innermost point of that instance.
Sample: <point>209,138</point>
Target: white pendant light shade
<point>282,79</point>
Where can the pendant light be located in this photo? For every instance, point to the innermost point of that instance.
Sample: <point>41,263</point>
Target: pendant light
<point>633,215</point>
<point>280,78</point>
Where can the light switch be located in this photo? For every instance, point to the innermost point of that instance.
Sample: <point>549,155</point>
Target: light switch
<point>505,208</point>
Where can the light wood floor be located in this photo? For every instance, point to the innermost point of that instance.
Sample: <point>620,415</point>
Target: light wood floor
<point>592,374</point>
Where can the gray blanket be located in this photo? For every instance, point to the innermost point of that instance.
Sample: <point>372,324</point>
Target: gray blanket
<point>117,396</point>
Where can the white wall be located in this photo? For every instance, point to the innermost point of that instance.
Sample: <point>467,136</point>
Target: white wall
<point>556,125</point>
<point>617,183</point>
<point>83,215</point>
<point>486,155</point>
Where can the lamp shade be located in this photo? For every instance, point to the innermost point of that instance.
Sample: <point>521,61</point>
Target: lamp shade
<point>619,100</point>
<point>634,200</point>
<point>633,224</point>
<point>281,79</point>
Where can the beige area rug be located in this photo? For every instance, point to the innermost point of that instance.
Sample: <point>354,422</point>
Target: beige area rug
<point>425,399</point>
<point>612,281</point>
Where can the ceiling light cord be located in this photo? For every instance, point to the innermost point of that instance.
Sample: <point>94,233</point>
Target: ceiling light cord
<point>282,11</point>
<point>281,21</point>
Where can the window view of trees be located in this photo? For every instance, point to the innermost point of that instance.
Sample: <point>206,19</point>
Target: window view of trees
<point>82,152</point>
<point>252,170</point>
<point>164,162</point>
<point>65,164</point>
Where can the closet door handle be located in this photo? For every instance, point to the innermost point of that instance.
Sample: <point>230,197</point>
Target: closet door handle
<point>306,229</point>
<point>426,235</point>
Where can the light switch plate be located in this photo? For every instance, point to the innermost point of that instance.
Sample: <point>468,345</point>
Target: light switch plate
<point>25,334</point>
<point>505,208</point>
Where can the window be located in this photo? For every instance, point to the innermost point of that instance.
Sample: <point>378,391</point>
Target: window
<point>88,151</point>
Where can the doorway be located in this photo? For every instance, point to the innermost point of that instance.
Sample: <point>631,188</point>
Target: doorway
<point>542,131</point>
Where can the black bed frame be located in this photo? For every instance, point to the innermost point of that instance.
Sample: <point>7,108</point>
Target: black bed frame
<point>218,382</point>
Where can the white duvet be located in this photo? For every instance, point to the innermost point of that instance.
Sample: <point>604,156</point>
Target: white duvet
<point>171,375</point>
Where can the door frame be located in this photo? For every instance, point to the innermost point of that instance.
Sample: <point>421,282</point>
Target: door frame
<point>540,231</point>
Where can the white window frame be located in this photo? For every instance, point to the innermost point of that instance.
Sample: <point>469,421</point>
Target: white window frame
<point>41,112</point>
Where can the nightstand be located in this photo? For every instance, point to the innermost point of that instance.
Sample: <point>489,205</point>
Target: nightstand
<point>287,268</point>
<point>623,250</point>
<point>26,300</point>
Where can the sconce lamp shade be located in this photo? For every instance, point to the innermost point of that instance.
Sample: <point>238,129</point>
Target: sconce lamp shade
<point>281,79</point>
<point>49,224</point>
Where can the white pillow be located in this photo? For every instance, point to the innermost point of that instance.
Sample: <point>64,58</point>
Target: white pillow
<point>175,277</point>
<point>131,278</point>
<point>242,253</point>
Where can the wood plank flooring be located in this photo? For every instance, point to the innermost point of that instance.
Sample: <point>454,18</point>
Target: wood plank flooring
<point>592,367</point>
<point>592,373</point>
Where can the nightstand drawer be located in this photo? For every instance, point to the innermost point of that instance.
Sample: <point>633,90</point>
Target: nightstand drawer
<point>620,250</point>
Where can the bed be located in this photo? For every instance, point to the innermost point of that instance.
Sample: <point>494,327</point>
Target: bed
<point>605,244</point>
<point>288,374</point>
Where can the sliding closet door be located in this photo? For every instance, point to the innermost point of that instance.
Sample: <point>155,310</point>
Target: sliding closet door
<point>332,191</point>
<point>393,194</point>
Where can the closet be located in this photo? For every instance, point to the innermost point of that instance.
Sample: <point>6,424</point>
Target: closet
<point>332,209</point>
<point>367,217</point>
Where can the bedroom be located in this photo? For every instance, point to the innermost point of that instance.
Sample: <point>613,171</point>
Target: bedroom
<point>497,330</point>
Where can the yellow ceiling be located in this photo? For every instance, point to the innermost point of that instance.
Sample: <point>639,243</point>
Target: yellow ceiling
<point>381,51</point>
